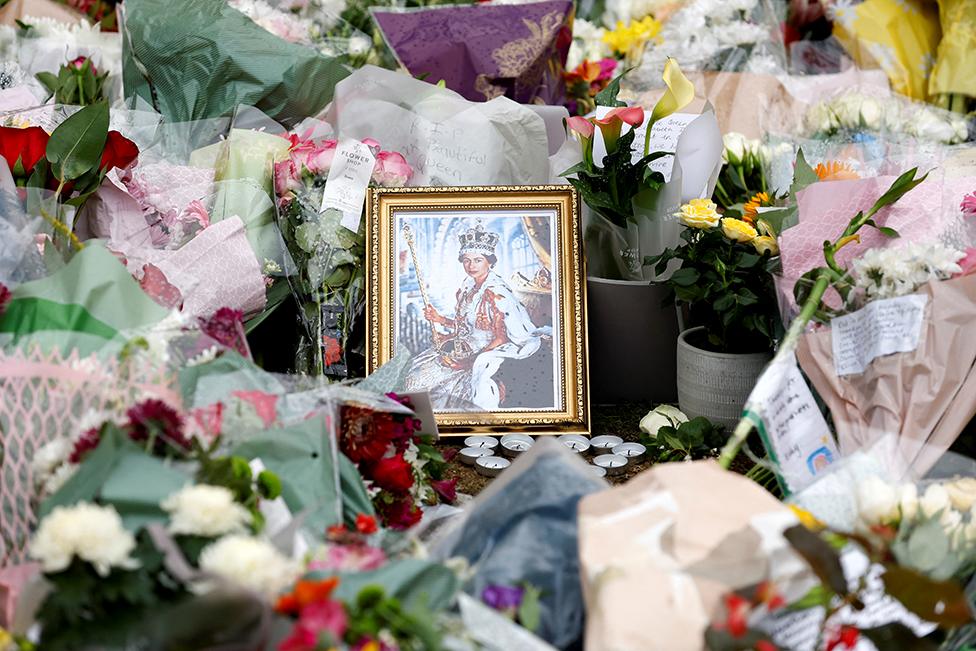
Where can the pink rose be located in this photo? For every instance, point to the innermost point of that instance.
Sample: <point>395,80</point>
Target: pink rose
<point>968,204</point>
<point>392,170</point>
<point>285,177</point>
<point>79,62</point>
<point>372,144</point>
<point>320,160</point>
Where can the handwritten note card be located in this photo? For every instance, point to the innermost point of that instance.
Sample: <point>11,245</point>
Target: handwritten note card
<point>892,325</point>
<point>345,188</point>
<point>782,407</point>
<point>664,137</point>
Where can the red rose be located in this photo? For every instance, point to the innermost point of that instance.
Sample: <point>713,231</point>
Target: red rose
<point>26,145</point>
<point>446,489</point>
<point>393,474</point>
<point>400,514</point>
<point>5,296</point>
<point>119,151</point>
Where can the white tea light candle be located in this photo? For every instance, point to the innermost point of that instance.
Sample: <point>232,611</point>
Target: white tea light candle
<point>515,444</point>
<point>604,443</point>
<point>491,466</point>
<point>489,442</point>
<point>470,455</point>
<point>633,451</point>
<point>613,464</point>
<point>575,442</point>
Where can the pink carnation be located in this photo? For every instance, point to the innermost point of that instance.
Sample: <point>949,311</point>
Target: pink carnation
<point>349,558</point>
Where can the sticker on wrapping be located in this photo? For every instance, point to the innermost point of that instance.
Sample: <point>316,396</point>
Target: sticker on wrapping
<point>800,630</point>
<point>333,356</point>
<point>345,188</point>
<point>791,425</point>
<point>664,137</point>
<point>891,325</point>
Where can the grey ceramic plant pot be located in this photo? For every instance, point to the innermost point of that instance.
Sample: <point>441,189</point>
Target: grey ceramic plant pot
<point>715,385</point>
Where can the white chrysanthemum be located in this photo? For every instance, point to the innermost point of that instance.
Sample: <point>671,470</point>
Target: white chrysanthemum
<point>92,533</point>
<point>207,355</point>
<point>897,271</point>
<point>205,510</point>
<point>58,478</point>
<point>249,562</point>
<point>49,457</point>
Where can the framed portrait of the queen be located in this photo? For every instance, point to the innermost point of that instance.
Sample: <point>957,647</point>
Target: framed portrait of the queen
<point>479,293</point>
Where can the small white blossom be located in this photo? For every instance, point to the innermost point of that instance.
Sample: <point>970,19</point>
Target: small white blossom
<point>205,510</point>
<point>51,455</point>
<point>89,532</point>
<point>898,271</point>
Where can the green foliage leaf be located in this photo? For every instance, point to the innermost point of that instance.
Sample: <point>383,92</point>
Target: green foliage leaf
<point>608,96</point>
<point>941,602</point>
<point>822,558</point>
<point>530,611</point>
<point>49,80</point>
<point>817,596</point>
<point>901,186</point>
<point>888,232</point>
<point>685,277</point>
<point>895,636</point>
<point>76,144</point>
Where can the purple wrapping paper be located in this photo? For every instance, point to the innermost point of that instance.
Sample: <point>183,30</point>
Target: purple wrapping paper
<point>484,51</point>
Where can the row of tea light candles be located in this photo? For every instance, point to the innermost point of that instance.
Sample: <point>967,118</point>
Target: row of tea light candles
<point>611,454</point>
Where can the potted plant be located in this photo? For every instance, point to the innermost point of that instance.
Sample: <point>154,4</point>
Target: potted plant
<point>725,284</point>
<point>628,204</point>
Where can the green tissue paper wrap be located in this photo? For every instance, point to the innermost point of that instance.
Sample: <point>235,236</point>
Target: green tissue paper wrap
<point>198,59</point>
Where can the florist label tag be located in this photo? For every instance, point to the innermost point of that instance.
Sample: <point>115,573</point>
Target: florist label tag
<point>345,187</point>
<point>791,425</point>
<point>891,325</point>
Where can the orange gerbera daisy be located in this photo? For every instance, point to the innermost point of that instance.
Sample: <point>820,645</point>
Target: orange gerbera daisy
<point>835,171</point>
<point>751,207</point>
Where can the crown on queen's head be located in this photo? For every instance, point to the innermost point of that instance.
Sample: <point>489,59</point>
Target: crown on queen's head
<point>479,240</point>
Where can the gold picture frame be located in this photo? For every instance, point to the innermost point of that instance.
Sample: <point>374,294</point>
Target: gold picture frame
<point>509,260</point>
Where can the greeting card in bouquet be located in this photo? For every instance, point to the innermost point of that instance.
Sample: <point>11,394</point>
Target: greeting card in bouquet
<point>485,51</point>
<point>918,381</point>
<point>446,139</point>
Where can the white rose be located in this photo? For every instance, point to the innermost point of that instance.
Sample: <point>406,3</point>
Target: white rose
<point>950,520</point>
<point>877,501</point>
<point>205,510</point>
<point>92,533</point>
<point>871,113</point>
<point>935,499</point>
<point>662,416</point>
<point>962,493</point>
<point>908,502</point>
<point>735,147</point>
<point>249,562</point>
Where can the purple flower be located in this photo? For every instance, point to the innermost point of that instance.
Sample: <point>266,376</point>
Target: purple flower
<point>503,597</point>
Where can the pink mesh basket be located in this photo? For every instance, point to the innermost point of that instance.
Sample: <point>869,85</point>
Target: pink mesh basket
<point>42,395</point>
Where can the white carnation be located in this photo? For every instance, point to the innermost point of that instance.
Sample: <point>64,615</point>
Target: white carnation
<point>205,510</point>
<point>92,533</point>
<point>898,271</point>
<point>51,455</point>
<point>249,562</point>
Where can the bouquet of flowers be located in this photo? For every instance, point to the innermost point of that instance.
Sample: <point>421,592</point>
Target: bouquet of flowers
<point>402,470</point>
<point>78,83</point>
<point>329,284</point>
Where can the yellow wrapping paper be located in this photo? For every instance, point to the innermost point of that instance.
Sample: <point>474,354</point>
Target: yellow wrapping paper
<point>955,67</point>
<point>900,36</point>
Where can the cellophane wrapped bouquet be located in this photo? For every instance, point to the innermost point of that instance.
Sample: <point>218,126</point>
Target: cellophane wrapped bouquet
<point>329,252</point>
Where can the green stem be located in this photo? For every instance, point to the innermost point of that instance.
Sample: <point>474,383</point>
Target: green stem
<point>744,426</point>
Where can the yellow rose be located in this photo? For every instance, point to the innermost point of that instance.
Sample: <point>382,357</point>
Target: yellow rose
<point>738,230</point>
<point>765,243</point>
<point>699,213</point>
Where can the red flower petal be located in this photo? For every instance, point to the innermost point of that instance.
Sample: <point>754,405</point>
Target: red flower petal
<point>27,145</point>
<point>119,151</point>
<point>365,524</point>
